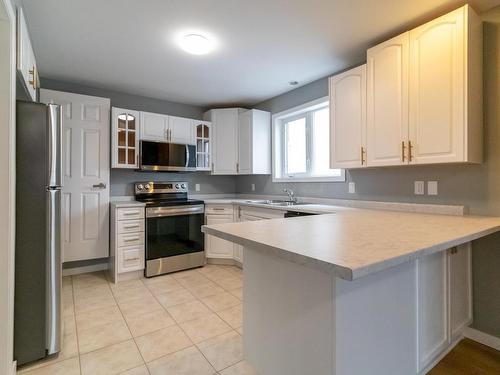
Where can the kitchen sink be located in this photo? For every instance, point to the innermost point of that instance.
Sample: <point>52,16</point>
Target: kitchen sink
<point>276,202</point>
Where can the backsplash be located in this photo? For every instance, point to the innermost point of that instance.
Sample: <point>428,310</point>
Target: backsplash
<point>122,181</point>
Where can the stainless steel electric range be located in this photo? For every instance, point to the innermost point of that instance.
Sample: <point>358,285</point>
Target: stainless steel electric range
<point>174,240</point>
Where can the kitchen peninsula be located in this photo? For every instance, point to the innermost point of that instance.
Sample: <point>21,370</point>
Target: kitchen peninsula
<point>392,287</point>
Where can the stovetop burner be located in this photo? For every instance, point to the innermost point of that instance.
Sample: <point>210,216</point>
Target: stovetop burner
<point>161,194</point>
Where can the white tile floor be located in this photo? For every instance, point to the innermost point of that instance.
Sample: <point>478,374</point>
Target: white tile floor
<point>186,323</point>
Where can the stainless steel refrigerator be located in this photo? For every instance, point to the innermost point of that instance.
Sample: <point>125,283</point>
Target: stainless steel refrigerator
<point>38,269</point>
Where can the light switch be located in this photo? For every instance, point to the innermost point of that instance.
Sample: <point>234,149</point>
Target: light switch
<point>432,187</point>
<point>197,187</point>
<point>352,187</point>
<point>419,187</point>
<point>253,187</point>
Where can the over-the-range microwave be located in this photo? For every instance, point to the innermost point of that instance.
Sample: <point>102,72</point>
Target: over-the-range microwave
<point>163,156</point>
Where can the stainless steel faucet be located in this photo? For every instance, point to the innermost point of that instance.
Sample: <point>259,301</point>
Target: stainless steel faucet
<point>291,196</point>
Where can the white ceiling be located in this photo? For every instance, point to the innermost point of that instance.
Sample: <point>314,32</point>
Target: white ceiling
<point>128,45</point>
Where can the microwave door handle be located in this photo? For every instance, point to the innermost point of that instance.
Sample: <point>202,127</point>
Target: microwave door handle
<point>187,156</point>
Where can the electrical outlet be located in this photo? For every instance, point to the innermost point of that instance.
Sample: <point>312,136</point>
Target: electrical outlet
<point>253,187</point>
<point>419,187</point>
<point>197,187</point>
<point>352,188</point>
<point>432,188</point>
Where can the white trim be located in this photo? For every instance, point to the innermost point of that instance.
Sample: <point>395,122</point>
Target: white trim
<point>443,354</point>
<point>85,269</point>
<point>482,338</point>
<point>7,185</point>
<point>296,111</point>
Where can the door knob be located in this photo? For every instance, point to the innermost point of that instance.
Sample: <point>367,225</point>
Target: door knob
<point>100,185</point>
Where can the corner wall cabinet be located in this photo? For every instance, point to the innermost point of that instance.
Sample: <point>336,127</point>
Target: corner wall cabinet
<point>26,62</point>
<point>203,134</point>
<point>423,98</point>
<point>241,141</point>
<point>125,129</point>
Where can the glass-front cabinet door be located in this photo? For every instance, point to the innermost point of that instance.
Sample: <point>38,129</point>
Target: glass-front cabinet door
<point>125,138</point>
<point>203,132</point>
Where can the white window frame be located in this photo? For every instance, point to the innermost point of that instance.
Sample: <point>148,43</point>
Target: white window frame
<point>278,154</point>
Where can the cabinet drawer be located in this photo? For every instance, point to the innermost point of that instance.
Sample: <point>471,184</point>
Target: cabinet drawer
<point>219,209</point>
<point>130,258</point>
<point>130,213</point>
<point>130,226</point>
<point>130,239</point>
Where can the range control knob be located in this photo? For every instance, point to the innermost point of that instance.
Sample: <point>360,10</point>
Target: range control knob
<point>183,186</point>
<point>147,186</point>
<point>140,187</point>
<point>177,186</point>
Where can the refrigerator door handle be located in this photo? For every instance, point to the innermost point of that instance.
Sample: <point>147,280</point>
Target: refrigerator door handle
<point>54,272</point>
<point>54,146</point>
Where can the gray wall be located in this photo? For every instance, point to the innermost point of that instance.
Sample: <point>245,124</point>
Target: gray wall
<point>121,181</point>
<point>477,186</point>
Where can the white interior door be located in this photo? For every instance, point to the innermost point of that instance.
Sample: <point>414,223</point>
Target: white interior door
<point>85,203</point>
<point>387,101</point>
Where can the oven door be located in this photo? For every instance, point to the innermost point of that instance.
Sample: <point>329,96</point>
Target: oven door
<point>163,156</point>
<point>174,239</point>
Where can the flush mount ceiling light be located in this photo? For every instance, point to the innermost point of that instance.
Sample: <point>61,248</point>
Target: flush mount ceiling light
<point>196,44</point>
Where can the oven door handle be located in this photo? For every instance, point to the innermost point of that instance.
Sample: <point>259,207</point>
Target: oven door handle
<point>174,211</point>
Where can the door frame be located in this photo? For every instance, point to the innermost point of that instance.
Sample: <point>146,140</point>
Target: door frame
<point>7,183</point>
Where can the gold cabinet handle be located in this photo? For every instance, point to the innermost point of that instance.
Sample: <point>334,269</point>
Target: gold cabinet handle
<point>403,149</point>
<point>33,80</point>
<point>363,154</point>
<point>410,148</point>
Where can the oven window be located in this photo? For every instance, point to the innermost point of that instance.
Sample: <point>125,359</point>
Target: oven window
<point>173,235</point>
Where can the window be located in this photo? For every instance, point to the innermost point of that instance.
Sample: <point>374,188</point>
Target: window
<point>301,144</point>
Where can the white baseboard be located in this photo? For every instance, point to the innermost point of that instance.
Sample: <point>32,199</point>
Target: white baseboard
<point>14,368</point>
<point>482,338</point>
<point>85,269</point>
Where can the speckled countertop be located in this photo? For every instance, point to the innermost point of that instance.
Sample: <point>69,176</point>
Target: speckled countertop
<point>356,242</point>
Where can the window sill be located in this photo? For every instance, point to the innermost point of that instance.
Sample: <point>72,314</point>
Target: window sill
<point>310,179</point>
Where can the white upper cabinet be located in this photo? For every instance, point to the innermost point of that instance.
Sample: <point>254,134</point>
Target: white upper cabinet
<point>225,140</point>
<point>254,142</point>
<point>241,141</point>
<point>423,98</point>
<point>445,123</point>
<point>348,119</point>
<point>203,137</point>
<point>387,102</point>
<point>154,127</point>
<point>125,129</point>
<point>180,130</point>
<point>26,63</point>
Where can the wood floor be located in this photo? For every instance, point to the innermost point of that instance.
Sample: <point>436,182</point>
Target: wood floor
<point>469,358</point>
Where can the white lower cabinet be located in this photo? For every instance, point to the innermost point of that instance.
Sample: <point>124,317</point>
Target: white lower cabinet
<point>216,247</point>
<point>127,241</point>
<point>444,296</point>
